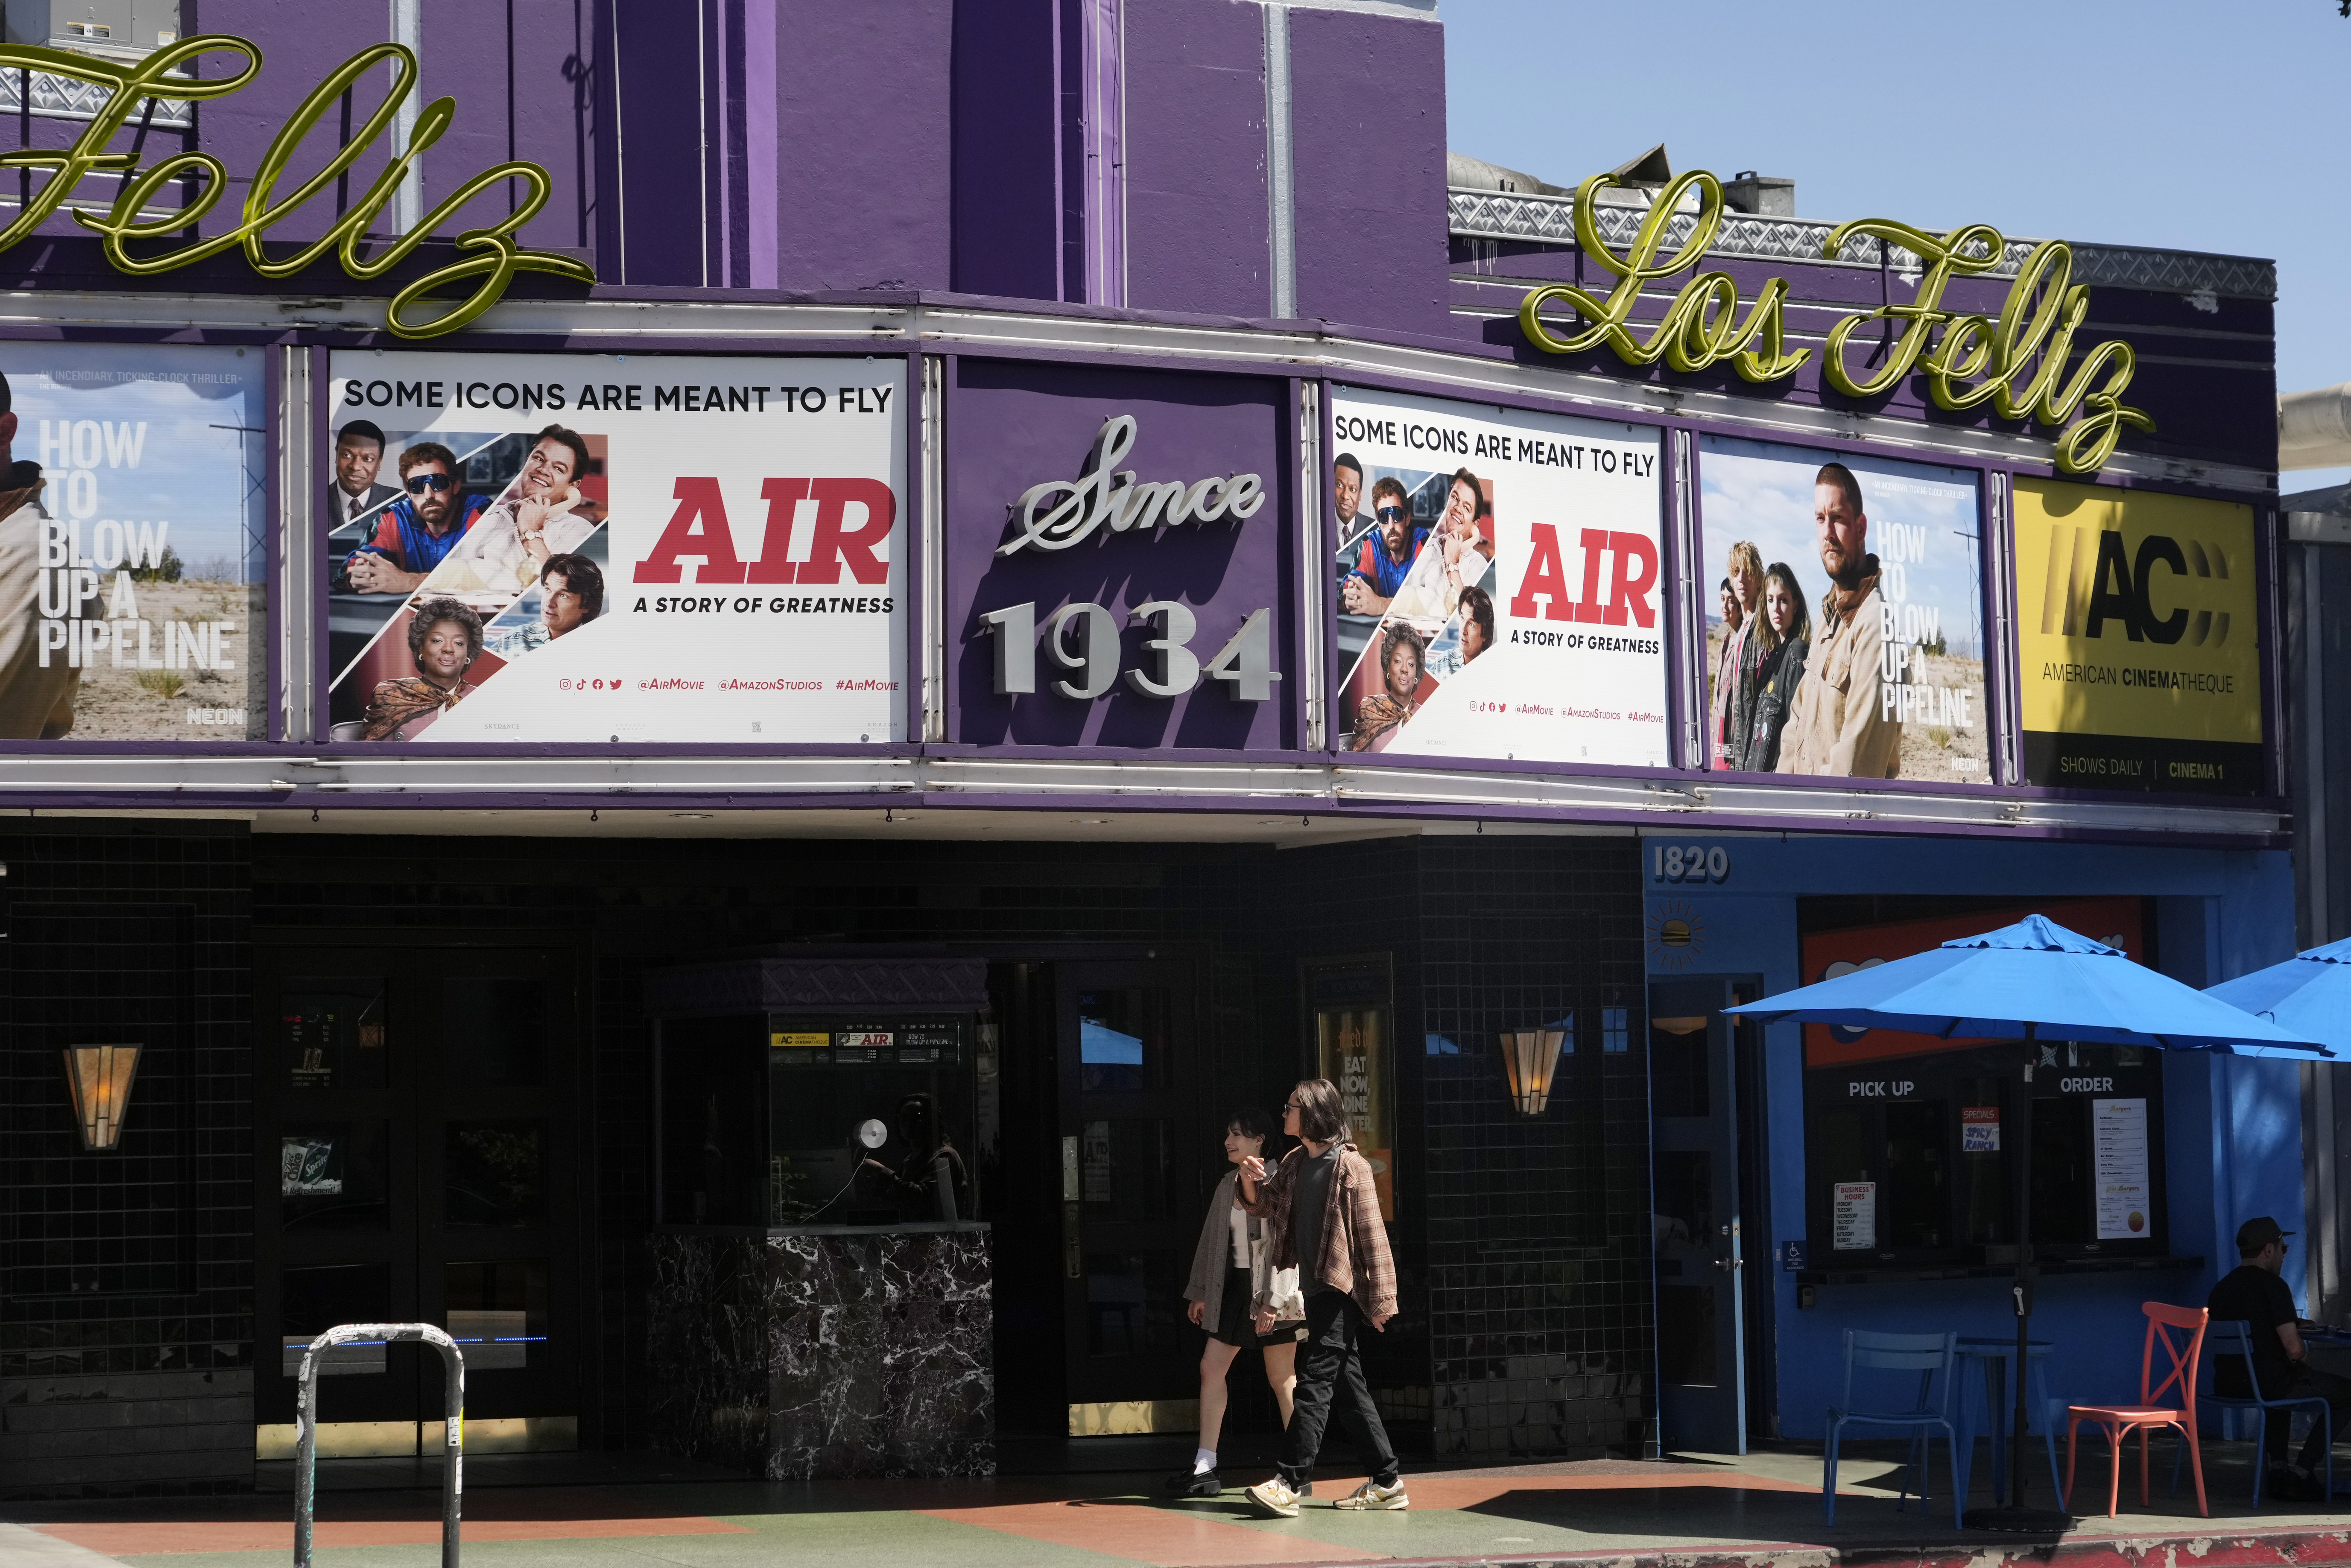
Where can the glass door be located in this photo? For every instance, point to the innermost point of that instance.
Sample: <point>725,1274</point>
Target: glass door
<point>419,1122</point>
<point>1135,1173</point>
<point>1693,1087</point>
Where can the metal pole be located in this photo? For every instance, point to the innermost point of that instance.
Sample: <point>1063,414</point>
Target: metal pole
<point>2026,1275</point>
<point>306,1429</point>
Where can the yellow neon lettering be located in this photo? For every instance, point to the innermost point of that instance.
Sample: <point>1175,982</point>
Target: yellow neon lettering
<point>496,259</point>
<point>2014,363</point>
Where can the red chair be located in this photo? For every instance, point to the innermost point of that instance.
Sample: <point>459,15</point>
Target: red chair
<point>2181,1331</point>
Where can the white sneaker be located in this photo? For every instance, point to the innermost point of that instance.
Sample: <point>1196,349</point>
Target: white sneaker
<point>1274,1499</point>
<point>1372,1496</point>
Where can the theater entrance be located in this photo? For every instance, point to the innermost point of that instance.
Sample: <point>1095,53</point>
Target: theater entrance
<point>420,1161</point>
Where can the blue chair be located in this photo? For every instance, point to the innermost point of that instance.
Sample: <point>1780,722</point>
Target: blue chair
<point>1929,1356</point>
<point>2235,1337</point>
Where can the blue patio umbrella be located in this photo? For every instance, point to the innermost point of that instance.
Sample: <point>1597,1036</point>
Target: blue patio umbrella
<point>2036,980</point>
<point>2310,994</point>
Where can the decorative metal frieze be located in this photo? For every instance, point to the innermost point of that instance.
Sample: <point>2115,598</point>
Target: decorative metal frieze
<point>1551,220</point>
<point>63,98</point>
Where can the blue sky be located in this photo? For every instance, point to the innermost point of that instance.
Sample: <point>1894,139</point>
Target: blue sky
<point>2157,122</point>
<point>190,471</point>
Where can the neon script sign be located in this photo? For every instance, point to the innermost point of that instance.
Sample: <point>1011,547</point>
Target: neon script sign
<point>2014,361</point>
<point>491,255</point>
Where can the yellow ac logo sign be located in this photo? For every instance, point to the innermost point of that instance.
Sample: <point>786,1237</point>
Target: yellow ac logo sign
<point>2095,581</point>
<point>2135,617</point>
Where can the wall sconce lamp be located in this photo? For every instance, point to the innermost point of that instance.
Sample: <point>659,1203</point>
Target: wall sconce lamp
<point>98,1079</point>
<point>1530,1057</point>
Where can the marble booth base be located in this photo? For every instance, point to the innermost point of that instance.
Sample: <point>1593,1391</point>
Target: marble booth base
<point>826,1351</point>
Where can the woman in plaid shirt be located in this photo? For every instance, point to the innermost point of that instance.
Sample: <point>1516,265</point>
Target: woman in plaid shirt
<point>1326,1223</point>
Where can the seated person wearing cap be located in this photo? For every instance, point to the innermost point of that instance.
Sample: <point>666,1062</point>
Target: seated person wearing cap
<point>2253,1293</point>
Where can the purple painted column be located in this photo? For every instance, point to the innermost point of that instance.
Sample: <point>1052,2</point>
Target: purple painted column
<point>1195,146</point>
<point>864,183</point>
<point>551,114</point>
<point>657,75</point>
<point>1005,182</point>
<point>1367,134</point>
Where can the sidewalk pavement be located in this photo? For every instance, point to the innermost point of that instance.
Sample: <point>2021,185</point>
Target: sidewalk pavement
<point>1692,1511</point>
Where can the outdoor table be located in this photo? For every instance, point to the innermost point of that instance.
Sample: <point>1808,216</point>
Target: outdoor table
<point>1994,1354</point>
<point>2329,1350</point>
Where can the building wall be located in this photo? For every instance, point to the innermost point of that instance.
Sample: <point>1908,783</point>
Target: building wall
<point>2231,1126</point>
<point>1534,1347</point>
<point>126,1317</point>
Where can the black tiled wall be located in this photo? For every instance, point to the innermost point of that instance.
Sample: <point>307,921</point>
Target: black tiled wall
<point>126,1276</point>
<point>1526,1313</point>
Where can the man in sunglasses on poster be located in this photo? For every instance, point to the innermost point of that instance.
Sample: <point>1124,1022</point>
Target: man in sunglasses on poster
<point>1387,554</point>
<point>417,531</point>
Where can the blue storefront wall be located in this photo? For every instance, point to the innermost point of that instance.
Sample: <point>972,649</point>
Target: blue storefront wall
<point>2232,1126</point>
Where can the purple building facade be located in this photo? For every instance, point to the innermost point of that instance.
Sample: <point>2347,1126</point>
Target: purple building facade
<point>1050,585</point>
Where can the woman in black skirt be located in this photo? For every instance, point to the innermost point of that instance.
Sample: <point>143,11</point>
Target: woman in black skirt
<point>1238,1298</point>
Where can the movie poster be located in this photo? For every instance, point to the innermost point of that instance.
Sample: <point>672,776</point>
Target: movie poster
<point>568,547</point>
<point>1843,615</point>
<point>133,582</point>
<point>2138,641</point>
<point>1497,584</point>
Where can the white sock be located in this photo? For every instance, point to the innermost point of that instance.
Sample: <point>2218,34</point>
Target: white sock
<point>1202,1460</point>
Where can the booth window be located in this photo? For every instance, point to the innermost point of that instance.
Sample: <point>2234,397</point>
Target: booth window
<point>789,1120</point>
<point>1910,1161</point>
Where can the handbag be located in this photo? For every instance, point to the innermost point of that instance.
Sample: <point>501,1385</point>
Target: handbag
<point>1284,1297</point>
<point>1281,1293</point>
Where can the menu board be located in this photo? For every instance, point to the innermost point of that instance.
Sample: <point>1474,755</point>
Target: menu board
<point>2119,1135</point>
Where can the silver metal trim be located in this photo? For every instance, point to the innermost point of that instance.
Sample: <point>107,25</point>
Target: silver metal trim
<point>1313,581</point>
<point>2318,869</point>
<point>1281,228</point>
<point>934,544</point>
<point>1690,605</point>
<point>397,774</point>
<point>2000,562</point>
<point>1551,220</point>
<point>65,98</point>
<point>407,27</point>
<point>296,548</point>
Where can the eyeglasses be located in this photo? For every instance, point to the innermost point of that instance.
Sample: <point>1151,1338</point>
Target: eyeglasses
<point>1390,513</point>
<point>1290,1105</point>
<point>437,483</point>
